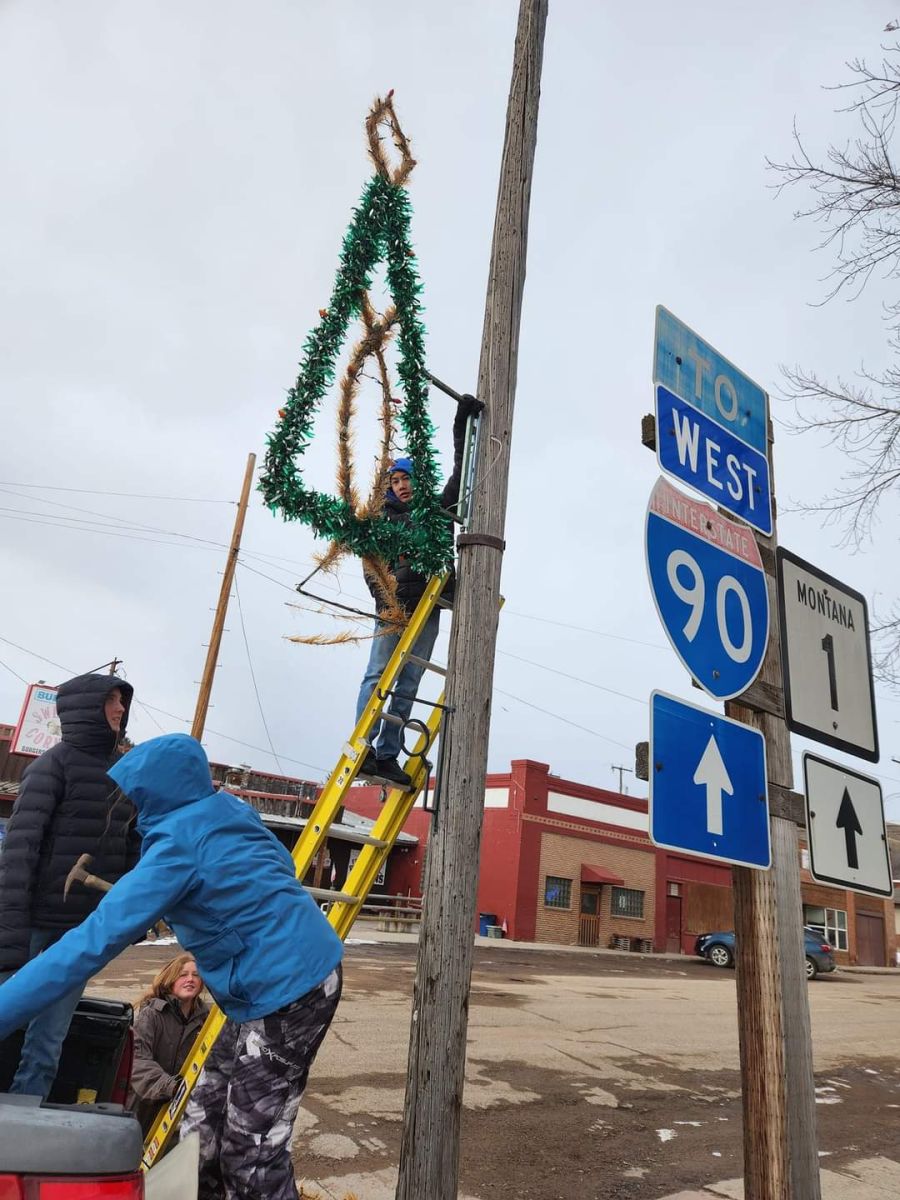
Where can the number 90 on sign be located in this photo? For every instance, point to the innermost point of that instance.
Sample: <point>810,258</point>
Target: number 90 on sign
<point>694,596</point>
<point>710,590</point>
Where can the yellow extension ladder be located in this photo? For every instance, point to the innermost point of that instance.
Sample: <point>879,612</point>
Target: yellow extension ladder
<point>344,906</point>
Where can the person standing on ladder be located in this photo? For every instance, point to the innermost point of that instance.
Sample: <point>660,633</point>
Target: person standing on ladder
<point>381,761</point>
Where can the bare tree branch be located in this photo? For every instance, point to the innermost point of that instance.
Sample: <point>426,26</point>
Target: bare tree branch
<point>855,199</point>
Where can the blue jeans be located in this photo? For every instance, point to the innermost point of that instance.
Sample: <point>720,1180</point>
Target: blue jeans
<point>386,736</point>
<point>46,1032</point>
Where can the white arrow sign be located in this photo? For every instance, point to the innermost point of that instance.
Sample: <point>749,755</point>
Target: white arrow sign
<point>712,774</point>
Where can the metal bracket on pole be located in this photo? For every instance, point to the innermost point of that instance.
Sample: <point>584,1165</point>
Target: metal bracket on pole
<point>454,395</point>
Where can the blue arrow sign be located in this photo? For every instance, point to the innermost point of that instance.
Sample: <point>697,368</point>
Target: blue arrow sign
<point>708,793</point>
<point>699,374</point>
<point>710,459</point>
<point>709,587</point>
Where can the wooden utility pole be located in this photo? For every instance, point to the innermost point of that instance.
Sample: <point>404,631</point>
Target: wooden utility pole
<point>215,638</point>
<point>429,1151</point>
<point>780,1150</point>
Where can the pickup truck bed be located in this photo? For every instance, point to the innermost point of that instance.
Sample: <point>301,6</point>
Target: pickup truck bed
<point>96,1060</point>
<point>82,1132</point>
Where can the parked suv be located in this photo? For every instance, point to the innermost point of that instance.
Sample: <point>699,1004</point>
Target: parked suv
<point>718,948</point>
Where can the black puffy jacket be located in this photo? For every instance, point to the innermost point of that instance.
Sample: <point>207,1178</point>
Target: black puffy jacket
<point>67,806</point>
<point>410,584</point>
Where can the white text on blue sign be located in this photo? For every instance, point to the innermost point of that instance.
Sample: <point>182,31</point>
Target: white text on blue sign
<point>693,448</point>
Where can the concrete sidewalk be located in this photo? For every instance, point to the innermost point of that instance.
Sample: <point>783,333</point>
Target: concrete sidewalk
<point>361,934</point>
<point>865,1179</point>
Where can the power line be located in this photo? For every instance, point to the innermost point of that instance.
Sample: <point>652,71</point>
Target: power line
<point>565,720</point>
<point>182,720</point>
<point>48,520</point>
<point>12,672</point>
<point>582,629</point>
<point>262,714</point>
<point>41,657</point>
<point>49,487</point>
<point>575,678</point>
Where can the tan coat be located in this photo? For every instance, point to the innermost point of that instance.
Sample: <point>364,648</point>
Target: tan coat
<point>162,1040</point>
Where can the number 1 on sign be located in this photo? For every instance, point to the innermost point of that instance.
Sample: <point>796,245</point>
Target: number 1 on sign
<point>828,647</point>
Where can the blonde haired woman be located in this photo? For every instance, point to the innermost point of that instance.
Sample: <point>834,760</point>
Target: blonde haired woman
<point>170,1014</point>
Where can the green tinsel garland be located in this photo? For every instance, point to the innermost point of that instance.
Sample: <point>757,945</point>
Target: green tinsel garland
<point>378,232</point>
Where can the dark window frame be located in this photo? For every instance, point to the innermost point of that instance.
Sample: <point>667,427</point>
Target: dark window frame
<point>564,901</point>
<point>626,914</point>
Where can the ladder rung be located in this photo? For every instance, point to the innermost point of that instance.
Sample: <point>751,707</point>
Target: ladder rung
<point>442,603</point>
<point>391,719</point>
<point>356,837</point>
<point>427,664</point>
<point>328,894</point>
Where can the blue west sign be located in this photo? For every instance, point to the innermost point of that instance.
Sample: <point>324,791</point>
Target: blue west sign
<point>711,423</point>
<point>709,587</point>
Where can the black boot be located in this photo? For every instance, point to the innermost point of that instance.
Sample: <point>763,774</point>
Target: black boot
<point>391,771</point>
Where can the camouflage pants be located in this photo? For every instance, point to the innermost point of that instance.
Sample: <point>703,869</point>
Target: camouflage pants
<point>247,1098</point>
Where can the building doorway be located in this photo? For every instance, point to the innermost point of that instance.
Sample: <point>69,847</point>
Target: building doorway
<point>673,919</point>
<point>589,918</point>
<point>869,940</point>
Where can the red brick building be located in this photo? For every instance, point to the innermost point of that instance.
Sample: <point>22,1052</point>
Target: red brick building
<point>566,863</point>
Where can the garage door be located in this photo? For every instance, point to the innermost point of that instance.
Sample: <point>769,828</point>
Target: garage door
<point>869,940</point>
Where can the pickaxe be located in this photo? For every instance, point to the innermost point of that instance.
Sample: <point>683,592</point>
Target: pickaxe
<point>80,874</point>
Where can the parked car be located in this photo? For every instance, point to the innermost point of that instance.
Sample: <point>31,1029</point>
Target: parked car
<point>718,948</point>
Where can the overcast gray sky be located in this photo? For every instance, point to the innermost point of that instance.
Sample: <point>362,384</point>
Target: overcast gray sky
<point>177,181</point>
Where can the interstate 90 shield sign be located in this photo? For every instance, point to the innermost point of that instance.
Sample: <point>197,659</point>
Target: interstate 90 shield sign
<point>709,587</point>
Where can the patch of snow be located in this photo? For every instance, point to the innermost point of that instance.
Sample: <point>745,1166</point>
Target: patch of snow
<point>696,1124</point>
<point>717,1153</point>
<point>163,941</point>
<point>360,942</point>
<point>825,1153</point>
<point>665,1135</point>
<point>870,1071</point>
<point>829,1100</point>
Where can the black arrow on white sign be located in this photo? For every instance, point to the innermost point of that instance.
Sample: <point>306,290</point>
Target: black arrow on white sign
<point>849,822</point>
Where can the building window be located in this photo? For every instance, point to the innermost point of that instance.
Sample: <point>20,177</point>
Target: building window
<point>626,902</point>
<point>831,923</point>
<point>557,892</point>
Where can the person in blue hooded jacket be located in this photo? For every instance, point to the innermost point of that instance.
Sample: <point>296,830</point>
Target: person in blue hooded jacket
<point>382,761</point>
<point>227,888</point>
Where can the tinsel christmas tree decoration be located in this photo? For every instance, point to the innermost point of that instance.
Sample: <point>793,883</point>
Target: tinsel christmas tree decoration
<point>379,232</point>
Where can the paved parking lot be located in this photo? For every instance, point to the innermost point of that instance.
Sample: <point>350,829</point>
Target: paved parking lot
<point>590,1077</point>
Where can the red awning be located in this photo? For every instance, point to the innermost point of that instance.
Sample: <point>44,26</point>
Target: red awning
<point>591,874</point>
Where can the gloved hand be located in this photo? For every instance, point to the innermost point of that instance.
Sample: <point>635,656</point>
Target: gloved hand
<point>469,406</point>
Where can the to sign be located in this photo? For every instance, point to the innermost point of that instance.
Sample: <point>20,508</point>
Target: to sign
<point>38,728</point>
<point>711,423</point>
<point>708,584</point>
<point>845,822</point>
<point>708,792</point>
<point>829,694</point>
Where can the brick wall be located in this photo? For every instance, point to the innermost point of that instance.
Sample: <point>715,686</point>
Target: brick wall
<point>563,855</point>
